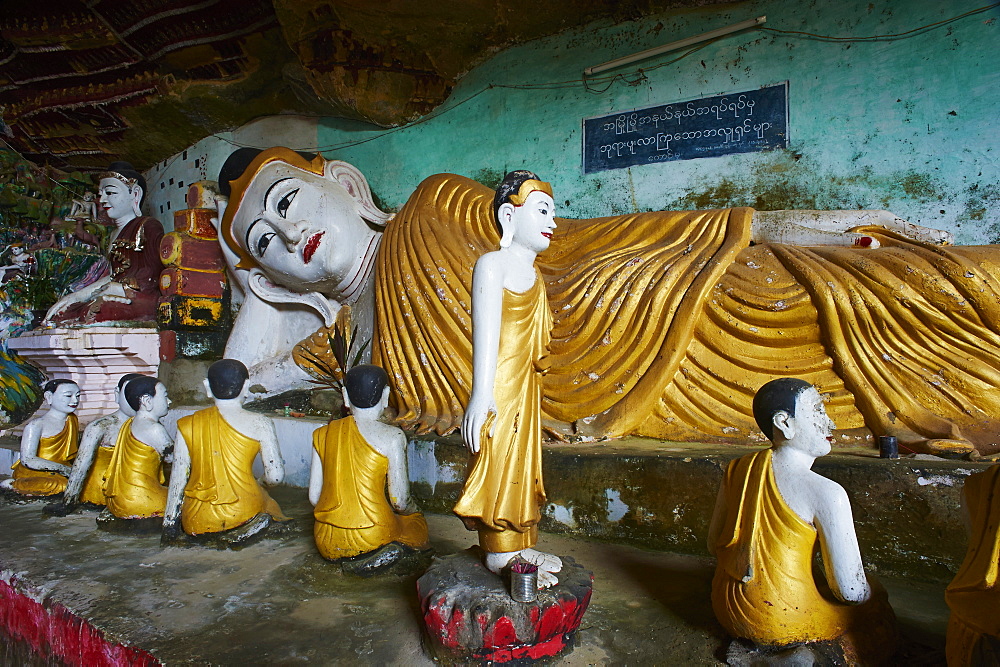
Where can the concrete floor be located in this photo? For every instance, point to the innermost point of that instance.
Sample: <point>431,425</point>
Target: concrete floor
<point>278,602</point>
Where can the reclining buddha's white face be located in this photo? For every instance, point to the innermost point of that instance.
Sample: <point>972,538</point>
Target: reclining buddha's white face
<point>304,230</point>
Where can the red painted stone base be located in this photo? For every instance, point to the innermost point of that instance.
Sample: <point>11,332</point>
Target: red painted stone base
<point>56,634</point>
<point>470,616</point>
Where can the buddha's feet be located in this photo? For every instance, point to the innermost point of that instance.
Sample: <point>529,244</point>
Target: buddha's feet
<point>548,564</point>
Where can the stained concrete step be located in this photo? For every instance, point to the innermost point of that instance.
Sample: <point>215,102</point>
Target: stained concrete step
<point>660,495</point>
<point>278,602</point>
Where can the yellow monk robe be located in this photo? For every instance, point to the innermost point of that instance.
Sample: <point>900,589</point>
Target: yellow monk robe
<point>221,492</point>
<point>666,323</point>
<point>353,515</point>
<point>93,487</point>
<point>504,491</point>
<point>133,486</point>
<point>764,589</point>
<point>59,448</point>
<point>974,594</point>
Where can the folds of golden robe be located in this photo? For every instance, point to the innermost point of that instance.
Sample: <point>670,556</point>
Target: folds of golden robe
<point>665,324</point>
<point>504,490</point>
<point>222,492</point>
<point>59,448</point>
<point>93,486</point>
<point>974,594</point>
<point>353,515</point>
<point>133,486</point>
<point>764,589</point>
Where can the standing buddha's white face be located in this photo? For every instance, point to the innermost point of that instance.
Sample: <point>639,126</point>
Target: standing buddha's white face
<point>120,203</point>
<point>534,221</point>
<point>304,230</point>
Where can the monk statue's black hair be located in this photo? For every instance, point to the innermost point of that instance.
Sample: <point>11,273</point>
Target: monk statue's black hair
<point>226,378</point>
<point>139,387</point>
<point>365,384</point>
<point>776,396</point>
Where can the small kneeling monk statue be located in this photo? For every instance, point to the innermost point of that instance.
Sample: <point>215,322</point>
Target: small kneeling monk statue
<point>974,593</point>
<point>86,480</point>
<point>354,461</point>
<point>212,486</point>
<point>48,444</point>
<point>133,484</point>
<point>771,511</point>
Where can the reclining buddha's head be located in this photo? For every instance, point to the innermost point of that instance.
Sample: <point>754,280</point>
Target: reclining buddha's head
<point>303,220</point>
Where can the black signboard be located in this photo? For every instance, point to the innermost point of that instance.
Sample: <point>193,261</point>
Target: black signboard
<point>755,120</point>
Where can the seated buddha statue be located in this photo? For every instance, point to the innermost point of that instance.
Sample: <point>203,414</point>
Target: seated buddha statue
<point>86,479</point>
<point>358,482</point>
<point>771,514</point>
<point>664,323</point>
<point>133,483</point>
<point>212,486</point>
<point>131,289</point>
<point>48,444</point>
<point>974,594</point>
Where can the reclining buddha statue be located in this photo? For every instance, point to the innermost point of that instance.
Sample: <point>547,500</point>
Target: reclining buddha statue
<point>665,323</point>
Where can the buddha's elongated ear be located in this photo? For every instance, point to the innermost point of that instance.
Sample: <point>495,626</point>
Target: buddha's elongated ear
<point>505,215</point>
<point>352,180</point>
<point>271,293</point>
<point>136,193</point>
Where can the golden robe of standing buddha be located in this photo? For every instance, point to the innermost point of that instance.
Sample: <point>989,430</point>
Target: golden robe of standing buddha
<point>504,490</point>
<point>222,492</point>
<point>60,448</point>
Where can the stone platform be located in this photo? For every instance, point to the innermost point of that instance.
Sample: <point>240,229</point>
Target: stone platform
<point>95,357</point>
<point>660,495</point>
<point>279,602</point>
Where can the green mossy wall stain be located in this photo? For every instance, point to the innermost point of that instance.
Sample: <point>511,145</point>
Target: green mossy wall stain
<point>491,178</point>
<point>906,125</point>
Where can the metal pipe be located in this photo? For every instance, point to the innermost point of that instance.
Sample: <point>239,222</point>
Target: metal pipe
<point>673,46</point>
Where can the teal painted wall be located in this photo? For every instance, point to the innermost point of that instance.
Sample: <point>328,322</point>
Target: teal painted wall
<point>907,125</point>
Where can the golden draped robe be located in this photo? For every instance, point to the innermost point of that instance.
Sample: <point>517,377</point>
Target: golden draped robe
<point>666,323</point>
<point>504,490</point>
<point>221,492</point>
<point>353,515</point>
<point>93,486</point>
<point>974,593</point>
<point>764,589</point>
<point>59,448</point>
<point>133,484</point>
